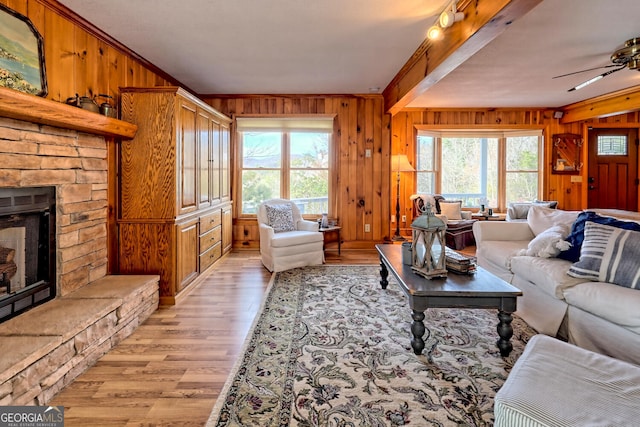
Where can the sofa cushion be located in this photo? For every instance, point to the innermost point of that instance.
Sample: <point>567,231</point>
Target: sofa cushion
<point>611,302</point>
<point>500,252</point>
<point>549,274</point>
<point>541,218</point>
<point>553,204</point>
<point>293,238</point>
<point>520,210</point>
<point>609,254</point>
<point>280,217</point>
<point>577,232</point>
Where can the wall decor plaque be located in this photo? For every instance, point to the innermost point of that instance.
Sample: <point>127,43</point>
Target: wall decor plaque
<point>566,153</point>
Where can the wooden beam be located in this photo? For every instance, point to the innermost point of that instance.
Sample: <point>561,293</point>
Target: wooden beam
<point>484,21</point>
<point>22,106</point>
<point>620,102</point>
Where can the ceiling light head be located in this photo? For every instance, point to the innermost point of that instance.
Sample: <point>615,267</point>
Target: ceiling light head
<point>448,17</point>
<point>434,33</point>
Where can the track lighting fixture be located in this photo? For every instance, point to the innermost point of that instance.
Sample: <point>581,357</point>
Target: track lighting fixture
<point>447,18</point>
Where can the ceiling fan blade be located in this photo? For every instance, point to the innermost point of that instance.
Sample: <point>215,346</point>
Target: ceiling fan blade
<point>596,78</point>
<point>583,71</point>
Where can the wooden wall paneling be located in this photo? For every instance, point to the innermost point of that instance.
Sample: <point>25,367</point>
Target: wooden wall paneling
<point>101,70</point>
<point>398,146</point>
<point>59,57</point>
<point>19,6</point>
<point>354,217</point>
<point>140,249</point>
<point>384,162</point>
<point>83,79</point>
<point>365,142</point>
<point>373,134</point>
<point>116,75</point>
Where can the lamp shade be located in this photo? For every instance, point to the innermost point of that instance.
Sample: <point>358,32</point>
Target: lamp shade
<point>400,163</point>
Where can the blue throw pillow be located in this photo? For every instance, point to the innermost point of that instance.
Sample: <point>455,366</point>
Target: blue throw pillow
<point>576,236</point>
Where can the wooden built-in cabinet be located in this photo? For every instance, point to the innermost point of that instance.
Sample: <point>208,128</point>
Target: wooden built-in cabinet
<point>174,193</point>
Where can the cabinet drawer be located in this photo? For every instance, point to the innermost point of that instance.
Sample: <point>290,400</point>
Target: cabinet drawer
<point>210,238</point>
<point>207,222</point>
<point>210,256</point>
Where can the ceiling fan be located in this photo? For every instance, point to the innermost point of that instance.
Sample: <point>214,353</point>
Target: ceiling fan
<point>627,56</point>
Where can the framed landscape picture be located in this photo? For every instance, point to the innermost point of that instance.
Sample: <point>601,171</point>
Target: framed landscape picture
<point>21,54</point>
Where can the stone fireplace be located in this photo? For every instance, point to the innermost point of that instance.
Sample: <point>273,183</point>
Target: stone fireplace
<point>74,166</point>
<point>54,159</point>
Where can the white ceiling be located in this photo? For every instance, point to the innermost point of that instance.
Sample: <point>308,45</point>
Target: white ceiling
<point>351,46</point>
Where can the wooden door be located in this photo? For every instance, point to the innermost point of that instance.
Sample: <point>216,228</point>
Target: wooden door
<point>187,159</point>
<point>613,169</point>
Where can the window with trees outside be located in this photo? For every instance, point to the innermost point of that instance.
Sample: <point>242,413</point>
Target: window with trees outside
<point>286,159</point>
<point>490,168</point>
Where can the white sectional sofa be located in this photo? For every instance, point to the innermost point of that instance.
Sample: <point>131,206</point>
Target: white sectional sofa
<point>596,315</point>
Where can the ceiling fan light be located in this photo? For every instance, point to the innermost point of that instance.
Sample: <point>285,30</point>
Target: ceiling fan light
<point>434,33</point>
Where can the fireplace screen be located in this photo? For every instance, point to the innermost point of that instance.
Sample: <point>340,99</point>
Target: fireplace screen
<point>27,248</point>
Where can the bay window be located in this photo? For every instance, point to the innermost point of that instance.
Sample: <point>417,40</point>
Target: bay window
<point>480,167</point>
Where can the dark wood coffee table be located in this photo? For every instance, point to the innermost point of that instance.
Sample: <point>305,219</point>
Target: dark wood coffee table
<point>479,290</point>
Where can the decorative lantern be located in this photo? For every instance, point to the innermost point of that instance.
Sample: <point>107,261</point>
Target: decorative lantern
<point>428,246</point>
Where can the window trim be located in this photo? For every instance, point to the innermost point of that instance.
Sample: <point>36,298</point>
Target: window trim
<point>502,133</point>
<point>313,123</point>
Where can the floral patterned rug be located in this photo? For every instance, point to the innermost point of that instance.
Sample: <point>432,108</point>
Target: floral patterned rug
<point>331,348</point>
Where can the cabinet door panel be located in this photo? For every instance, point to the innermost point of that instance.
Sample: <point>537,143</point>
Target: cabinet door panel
<point>204,146</point>
<point>187,259</point>
<point>225,166</point>
<point>215,161</point>
<point>227,229</point>
<point>187,147</point>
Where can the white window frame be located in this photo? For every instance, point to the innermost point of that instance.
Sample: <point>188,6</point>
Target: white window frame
<point>285,125</point>
<point>501,135</point>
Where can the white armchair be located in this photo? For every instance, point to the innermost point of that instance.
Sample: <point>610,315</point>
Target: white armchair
<point>286,239</point>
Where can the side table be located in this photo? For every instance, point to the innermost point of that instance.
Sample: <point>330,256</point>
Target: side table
<point>494,217</point>
<point>334,229</point>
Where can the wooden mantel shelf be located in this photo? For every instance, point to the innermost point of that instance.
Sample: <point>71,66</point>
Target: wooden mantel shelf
<point>30,108</point>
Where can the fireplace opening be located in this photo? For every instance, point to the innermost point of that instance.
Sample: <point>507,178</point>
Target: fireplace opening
<point>27,249</point>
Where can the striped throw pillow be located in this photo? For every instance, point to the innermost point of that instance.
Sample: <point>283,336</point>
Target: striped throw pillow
<point>609,254</point>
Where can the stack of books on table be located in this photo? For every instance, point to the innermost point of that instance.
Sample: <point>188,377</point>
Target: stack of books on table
<point>458,263</point>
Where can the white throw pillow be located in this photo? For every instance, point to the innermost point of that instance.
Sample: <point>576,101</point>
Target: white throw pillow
<point>541,218</point>
<point>451,209</point>
<point>549,243</point>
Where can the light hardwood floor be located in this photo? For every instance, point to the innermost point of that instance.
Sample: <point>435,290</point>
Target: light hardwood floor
<point>170,371</point>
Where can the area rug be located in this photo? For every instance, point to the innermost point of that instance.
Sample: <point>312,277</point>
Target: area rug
<point>331,348</point>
